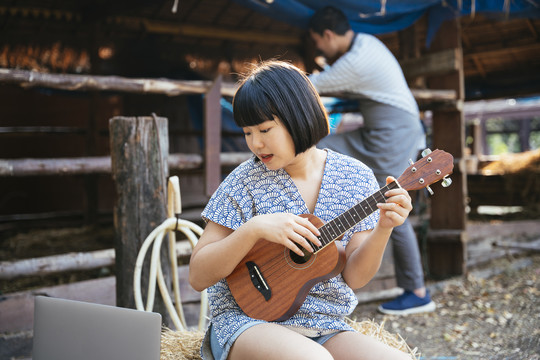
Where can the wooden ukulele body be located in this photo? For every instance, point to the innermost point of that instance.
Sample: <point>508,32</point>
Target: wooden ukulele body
<point>282,278</point>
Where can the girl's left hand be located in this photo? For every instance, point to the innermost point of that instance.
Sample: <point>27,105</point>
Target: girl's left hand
<point>397,207</point>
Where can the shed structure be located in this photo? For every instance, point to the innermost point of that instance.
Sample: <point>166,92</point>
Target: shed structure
<point>67,67</point>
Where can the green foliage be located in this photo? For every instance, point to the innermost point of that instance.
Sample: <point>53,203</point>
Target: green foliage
<point>503,143</point>
<point>503,135</point>
<point>534,140</point>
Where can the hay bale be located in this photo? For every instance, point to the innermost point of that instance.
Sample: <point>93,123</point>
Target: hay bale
<point>181,345</point>
<point>185,345</point>
<point>528,161</point>
<point>377,331</point>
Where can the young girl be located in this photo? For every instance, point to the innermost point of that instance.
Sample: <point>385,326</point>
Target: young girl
<point>283,119</point>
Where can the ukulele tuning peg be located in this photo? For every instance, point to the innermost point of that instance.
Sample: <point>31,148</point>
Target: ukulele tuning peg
<point>426,152</point>
<point>411,162</point>
<point>446,182</point>
<point>429,190</point>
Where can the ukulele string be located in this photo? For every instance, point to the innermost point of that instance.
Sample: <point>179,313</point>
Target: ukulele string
<point>277,263</point>
<point>329,233</point>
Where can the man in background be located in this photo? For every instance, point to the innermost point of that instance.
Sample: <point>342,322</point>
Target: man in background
<point>392,132</point>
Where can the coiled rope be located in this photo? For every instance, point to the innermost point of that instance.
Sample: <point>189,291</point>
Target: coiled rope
<point>169,227</point>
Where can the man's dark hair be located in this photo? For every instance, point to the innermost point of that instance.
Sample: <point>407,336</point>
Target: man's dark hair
<point>277,88</point>
<point>329,18</point>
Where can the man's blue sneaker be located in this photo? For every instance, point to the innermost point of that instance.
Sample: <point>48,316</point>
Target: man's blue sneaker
<point>408,303</point>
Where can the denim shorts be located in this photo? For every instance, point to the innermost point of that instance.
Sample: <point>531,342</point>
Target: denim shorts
<point>221,353</point>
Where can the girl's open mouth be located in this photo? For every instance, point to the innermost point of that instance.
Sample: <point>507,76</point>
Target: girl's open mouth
<point>266,158</point>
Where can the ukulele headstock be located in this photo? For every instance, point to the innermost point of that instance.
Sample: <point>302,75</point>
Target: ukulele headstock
<point>434,166</point>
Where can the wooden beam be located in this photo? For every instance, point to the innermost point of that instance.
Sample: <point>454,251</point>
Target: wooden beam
<point>135,24</point>
<point>519,246</point>
<point>52,14</point>
<point>426,98</point>
<point>70,82</point>
<point>434,95</point>
<point>75,261</point>
<point>532,29</point>
<point>438,63</point>
<point>478,65</point>
<point>506,52</point>
<point>535,47</point>
<point>169,87</point>
<point>102,164</point>
<point>212,32</point>
<point>17,309</point>
<point>503,190</point>
<point>61,166</point>
<point>419,94</point>
<point>409,49</point>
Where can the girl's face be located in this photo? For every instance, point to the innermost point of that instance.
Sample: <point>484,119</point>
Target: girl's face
<point>271,142</point>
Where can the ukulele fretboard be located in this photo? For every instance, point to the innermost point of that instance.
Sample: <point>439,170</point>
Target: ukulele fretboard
<point>332,230</point>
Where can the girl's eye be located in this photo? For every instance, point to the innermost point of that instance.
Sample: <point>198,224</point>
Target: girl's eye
<point>265,130</point>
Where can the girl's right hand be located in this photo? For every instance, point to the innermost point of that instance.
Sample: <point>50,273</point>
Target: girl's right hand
<point>289,230</point>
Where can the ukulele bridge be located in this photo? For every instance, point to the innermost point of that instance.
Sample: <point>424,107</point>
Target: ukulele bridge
<point>258,280</point>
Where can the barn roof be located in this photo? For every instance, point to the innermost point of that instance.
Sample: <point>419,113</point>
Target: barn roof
<point>202,38</point>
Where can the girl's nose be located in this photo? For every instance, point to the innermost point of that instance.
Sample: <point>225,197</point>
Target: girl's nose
<point>256,141</point>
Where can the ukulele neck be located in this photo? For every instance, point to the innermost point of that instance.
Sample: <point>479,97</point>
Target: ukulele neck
<point>335,228</point>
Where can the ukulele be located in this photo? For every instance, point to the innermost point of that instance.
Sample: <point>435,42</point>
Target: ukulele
<point>272,282</point>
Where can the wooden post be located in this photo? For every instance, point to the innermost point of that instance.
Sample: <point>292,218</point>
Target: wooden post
<point>212,137</point>
<point>477,134</point>
<point>524,134</point>
<point>447,236</point>
<point>409,49</point>
<point>139,153</point>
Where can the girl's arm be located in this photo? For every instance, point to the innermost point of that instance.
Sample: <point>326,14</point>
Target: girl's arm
<point>365,249</point>
<point>220,249</point>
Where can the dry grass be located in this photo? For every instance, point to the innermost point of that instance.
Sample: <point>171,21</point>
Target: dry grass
<point>528,161</point>
<point>185,345</point>
<point>377,331</point>
<point>181,345</point>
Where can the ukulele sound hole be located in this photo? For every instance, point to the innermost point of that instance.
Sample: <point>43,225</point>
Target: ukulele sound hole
<point>300,259</point>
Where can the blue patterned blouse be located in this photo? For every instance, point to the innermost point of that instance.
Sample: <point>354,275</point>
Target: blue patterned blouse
<point>251,189</point>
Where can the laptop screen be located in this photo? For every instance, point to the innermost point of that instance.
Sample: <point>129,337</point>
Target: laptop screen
<point>68,329</point>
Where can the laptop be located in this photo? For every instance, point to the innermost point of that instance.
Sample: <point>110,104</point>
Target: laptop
<point>68,329</point>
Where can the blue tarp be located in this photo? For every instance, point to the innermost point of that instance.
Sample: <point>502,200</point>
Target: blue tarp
<point>369,16</point>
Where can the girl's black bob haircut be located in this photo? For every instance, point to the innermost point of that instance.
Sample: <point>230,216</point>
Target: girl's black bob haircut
<point>279,89</point>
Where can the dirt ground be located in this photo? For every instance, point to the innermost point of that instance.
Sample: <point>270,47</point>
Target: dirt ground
<point>493,313</point>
